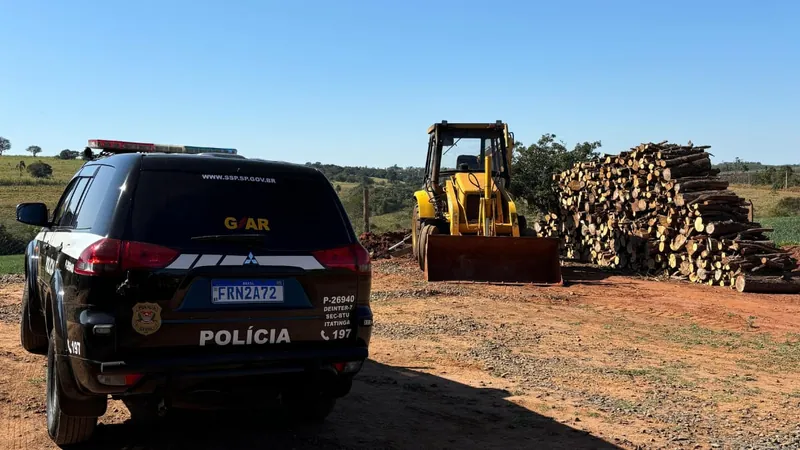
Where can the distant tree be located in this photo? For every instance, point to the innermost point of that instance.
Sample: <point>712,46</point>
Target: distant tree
<point>741,165</point>
<point>533,168</point>
<point>34,149</point>
<point>5,145</point>
<point>68,154</point>
<point>391,174</point>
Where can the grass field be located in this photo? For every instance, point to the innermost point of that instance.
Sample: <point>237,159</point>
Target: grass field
<point>16,188</point>
<point>11,264</point>
<point>764,199</point>
<point>787,229</point>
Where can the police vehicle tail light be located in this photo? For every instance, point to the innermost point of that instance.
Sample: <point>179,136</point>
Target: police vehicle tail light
<point>347,367</point>
<point>352,257</point>
<point>112,255</point>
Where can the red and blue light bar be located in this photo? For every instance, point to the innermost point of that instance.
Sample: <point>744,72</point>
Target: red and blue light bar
<point>133,147</point>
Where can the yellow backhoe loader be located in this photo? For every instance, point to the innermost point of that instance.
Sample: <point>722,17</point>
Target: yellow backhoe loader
<point>465,226</point>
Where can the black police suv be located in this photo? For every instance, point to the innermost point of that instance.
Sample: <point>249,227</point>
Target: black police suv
<point>178,280</point>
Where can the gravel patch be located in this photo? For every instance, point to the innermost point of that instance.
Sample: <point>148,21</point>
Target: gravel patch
<point>9,313</point>
<point>421,292</point>
<point>396,266</point>
<point>432,325</point>
<point>12,278</point>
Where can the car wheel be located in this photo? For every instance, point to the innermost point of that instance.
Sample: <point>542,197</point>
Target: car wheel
<point>144,409</point>
<point>63,429</point>
<point>31,342</point>
<point>308,407</point>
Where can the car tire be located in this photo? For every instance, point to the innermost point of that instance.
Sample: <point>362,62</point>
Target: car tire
<point>63,429</point>
<point>143,409</point>
<point>31,342</point>
<point>310,408</point>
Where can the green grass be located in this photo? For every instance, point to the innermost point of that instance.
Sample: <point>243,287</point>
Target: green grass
<point>764,199</point>
<point>787,229</point>
<point>62,170</point>
<point>11,264</point>
<point>16,188</point>
<point>398,220</point>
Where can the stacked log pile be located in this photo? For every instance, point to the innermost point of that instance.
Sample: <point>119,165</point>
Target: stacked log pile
<point>662,208</point>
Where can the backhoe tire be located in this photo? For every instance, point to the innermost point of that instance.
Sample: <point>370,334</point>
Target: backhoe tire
<point>415,227</point>
<point>31,342</point>
<point>425,231</point>
<point>63,429</point>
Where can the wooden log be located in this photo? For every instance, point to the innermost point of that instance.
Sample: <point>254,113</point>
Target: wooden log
<point>689,169</point>
<point>686,159</point>
<point>715,229</point>
<point>763,284</point>
<point>702,184</point>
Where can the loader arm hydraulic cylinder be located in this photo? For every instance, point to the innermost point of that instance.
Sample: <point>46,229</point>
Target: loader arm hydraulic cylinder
<point>488,216</point>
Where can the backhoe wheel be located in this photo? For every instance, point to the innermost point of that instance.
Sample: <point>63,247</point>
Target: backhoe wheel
<point>63,429</point>
<point>424,232</point>
<point>415,226</point>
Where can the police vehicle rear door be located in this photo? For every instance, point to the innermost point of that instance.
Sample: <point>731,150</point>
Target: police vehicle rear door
<point>243,256</point>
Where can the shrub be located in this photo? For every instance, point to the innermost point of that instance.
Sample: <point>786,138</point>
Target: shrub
<point>9,243</point>
<point>787,206</point>
<point>40,170</point>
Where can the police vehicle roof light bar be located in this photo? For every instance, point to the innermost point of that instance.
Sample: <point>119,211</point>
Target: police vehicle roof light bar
<point>110,146</point>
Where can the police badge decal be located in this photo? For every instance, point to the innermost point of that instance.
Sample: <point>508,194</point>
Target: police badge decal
<point>146,318</point>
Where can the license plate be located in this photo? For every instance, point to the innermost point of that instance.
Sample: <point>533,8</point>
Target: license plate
<point>247,291</point>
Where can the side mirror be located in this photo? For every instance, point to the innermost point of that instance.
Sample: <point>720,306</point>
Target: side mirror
<point>32,214</point>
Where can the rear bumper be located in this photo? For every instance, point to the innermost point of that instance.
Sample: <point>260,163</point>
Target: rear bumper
<point>322,368</point>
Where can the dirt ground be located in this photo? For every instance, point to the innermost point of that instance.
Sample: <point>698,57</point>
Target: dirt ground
<point>603,362</point>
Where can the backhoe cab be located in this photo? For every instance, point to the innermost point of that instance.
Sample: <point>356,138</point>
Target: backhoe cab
<point>465,225</point>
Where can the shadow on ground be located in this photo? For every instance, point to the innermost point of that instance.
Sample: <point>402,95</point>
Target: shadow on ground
<point>582,273</point>
<point>389,407</point>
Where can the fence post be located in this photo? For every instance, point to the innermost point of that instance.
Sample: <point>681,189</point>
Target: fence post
<point>366,208</point>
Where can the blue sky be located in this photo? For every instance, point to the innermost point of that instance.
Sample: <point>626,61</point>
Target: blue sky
<point>358,82</point>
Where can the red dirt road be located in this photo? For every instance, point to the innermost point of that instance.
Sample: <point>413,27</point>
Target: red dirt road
<point>604,362</point>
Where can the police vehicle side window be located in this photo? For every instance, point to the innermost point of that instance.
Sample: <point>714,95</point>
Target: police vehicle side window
<point>94,197</point>
<point>71,210</point>
<point>62,203</point>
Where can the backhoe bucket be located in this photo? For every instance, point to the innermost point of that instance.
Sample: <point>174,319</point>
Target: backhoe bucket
<point>493,259</point>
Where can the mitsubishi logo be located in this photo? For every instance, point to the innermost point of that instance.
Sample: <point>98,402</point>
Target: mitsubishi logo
<point>250,260</point>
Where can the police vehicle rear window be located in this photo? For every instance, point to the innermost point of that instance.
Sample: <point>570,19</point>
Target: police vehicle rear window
<point>187,210</point>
